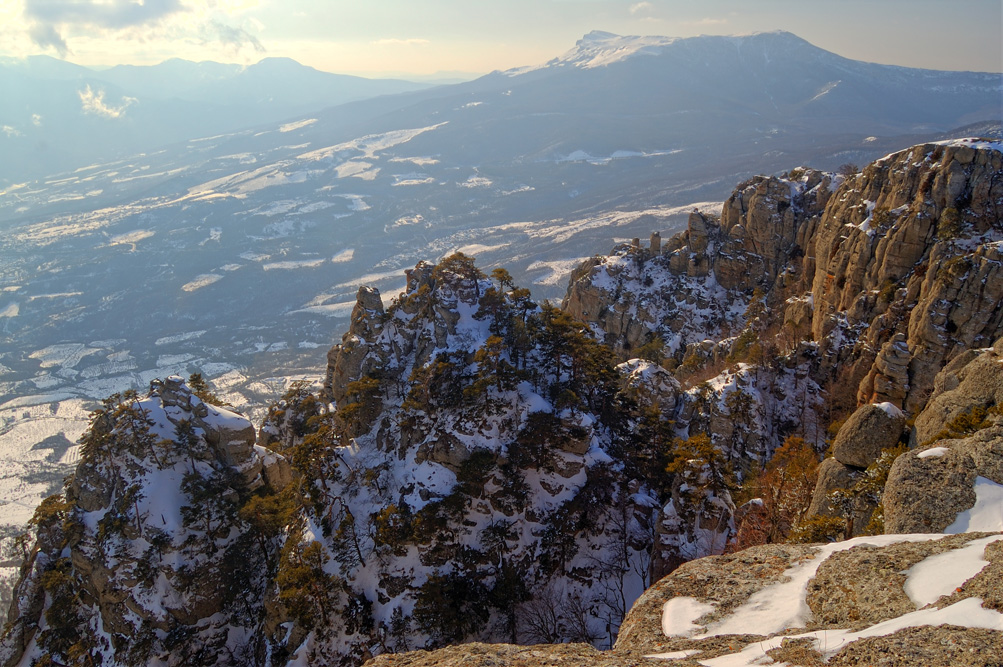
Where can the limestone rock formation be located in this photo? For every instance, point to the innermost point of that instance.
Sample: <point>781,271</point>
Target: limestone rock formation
<point>832,476</point>
<point>930,487</point>
<point>891,273</point>
<point>766,601</point>
<point>973,381</point>
<point>146,558</point>
<point>345,361</point>
<point>909,248</point>
<point>960,448</point>
<point>697,287</point>
<point>868,430</point>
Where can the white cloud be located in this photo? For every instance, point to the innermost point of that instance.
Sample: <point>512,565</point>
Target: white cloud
<point>641,7</point>
<point>36,120</point>
<point>10,131</point>
<point>92,101</point>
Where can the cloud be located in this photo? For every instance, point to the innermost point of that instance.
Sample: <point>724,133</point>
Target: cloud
<point>401,42</point>
<point>641,7</point>
<point>10,131</point>
<point>51,23</point>
<point>48,19</point>
<point>111,14</point>
<point>36,120</point>
<point>237,38</point>
<point>92,101</point>
<point>48,37</point>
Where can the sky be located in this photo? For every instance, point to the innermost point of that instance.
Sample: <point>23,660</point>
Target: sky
<point>379,38</point>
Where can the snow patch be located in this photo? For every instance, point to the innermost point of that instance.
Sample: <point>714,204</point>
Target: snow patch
<point>940,575</point>
<point>933,453</point>
<point>679,616</point>
<point>986,515</point>
<point>289,127</point>
<point>200,281</point>
<point>890,409</point>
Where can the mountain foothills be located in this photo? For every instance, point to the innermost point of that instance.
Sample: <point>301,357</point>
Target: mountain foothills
<point>478,466</point>
<point>56,116</point>
<point>256,233</point>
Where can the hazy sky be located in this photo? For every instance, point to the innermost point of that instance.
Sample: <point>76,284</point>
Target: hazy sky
<point>395,37</point>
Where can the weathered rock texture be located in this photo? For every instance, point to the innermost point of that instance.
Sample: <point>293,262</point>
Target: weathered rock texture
<point>925,495</point>
<point>892,272</point>
<point>868,430</point>
<point>908,268</point>
<point>960,436</point>
<point>974,380</point>
<point>851,589</point>
<point>146,558</point>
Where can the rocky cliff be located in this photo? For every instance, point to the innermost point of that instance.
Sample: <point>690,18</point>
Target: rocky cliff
<point>912,600</point>
<point>146,557</point>
<point>480,467</point>
<point>890,273</point>
<point>826,293</point>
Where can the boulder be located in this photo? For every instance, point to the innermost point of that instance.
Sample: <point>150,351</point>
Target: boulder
<point>832,475</point>
<point>733,607</point>
<point>869,429</point>
<point>929,487</point>
<point>973,380</point>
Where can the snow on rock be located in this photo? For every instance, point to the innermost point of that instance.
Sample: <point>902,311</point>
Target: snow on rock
<point>679,616</point>
<point>930,579</point>
<point>722,593</point>
<point>987,514</point>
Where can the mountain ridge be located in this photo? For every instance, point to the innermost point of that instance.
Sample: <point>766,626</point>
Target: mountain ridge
<point>489,471</point>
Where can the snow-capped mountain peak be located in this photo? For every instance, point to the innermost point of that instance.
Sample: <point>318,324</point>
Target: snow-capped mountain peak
<point>599,49</point>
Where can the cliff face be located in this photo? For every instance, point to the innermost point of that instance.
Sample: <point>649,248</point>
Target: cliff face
<point>889,273</point>
<point>146,558</point>
<point>480,467</point>
<point>909,268</point>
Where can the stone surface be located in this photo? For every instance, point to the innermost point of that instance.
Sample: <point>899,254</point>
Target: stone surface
<point>925,495</point>
<point>868,430</point>
<point>832,475</point>
<point>497,655</point>
<point>873,592</point>
<point>940,646</point>
<point>881,233</point>
<point>727,581</point>
<point>976,380</point>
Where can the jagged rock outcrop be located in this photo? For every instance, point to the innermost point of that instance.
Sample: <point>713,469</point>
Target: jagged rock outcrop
<point>755,601</point>
<point>698,285</point>
<point>957,468</point>
<point>346,360</point>
<point>909,269</point>
<point>870,429</point>
<point>146,559</point>
<point>973,381</point>
<point>893,272</point>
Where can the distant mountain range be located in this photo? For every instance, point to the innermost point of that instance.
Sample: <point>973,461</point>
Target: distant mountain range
<point>56,116</point>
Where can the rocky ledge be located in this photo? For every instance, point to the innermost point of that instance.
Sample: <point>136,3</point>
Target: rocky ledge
<point>921,599</point>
